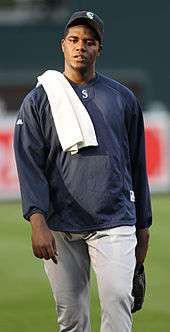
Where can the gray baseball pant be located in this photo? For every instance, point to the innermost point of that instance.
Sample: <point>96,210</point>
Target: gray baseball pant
<point>112,256</point>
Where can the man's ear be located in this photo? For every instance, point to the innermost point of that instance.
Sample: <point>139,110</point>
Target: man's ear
<point>62,45</point>
<point>99,49</point>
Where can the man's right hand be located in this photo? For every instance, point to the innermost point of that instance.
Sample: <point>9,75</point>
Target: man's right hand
<point>43,241</point>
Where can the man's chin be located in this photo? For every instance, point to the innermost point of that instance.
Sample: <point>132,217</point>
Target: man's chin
<point>80,67</point>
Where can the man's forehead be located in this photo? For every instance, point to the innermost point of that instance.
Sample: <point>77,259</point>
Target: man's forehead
<point>81,30</point>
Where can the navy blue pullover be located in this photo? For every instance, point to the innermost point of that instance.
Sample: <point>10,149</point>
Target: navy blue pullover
<point>95,188</point>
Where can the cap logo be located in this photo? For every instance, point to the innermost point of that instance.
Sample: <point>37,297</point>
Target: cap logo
<point>90,15</point>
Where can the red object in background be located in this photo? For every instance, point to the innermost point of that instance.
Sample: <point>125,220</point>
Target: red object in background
<point>155,152</point>
<point>8,176</point>
<point>157,149</point>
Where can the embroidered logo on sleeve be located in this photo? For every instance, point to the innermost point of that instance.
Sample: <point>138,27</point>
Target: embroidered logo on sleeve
<point>132,196</point>
<point>19,122</point>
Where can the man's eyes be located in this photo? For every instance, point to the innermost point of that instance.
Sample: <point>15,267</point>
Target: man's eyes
<point>88,42</point>
<point>73,40</point>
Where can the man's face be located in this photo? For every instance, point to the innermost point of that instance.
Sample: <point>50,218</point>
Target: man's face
<point>80,48</point>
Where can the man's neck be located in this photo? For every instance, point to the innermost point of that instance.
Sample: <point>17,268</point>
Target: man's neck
<point>78,77</point>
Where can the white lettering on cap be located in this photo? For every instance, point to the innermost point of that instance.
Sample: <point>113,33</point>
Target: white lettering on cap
<point>90,15</point>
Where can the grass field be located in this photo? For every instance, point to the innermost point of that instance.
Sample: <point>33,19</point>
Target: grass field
<point>26,303</point>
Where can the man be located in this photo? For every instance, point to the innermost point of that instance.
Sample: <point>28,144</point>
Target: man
<point>93,206</point>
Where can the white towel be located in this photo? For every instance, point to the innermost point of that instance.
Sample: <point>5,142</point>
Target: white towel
<point>72,121</point>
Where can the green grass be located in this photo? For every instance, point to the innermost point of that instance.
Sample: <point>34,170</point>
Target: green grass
<point>26,303</point>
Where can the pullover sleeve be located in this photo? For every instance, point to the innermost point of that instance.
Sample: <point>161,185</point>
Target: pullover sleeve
<point>138,168</point>
<point>31,160</point>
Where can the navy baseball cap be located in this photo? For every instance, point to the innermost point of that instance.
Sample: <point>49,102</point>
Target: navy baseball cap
<point>89,18</point>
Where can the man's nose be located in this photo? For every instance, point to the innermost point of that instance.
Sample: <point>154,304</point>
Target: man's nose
<point>81,45</point>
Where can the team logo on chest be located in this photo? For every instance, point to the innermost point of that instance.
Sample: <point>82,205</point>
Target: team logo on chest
<point>84,94</point>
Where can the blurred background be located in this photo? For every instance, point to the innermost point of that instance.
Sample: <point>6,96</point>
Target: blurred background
<point>136,52</point>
